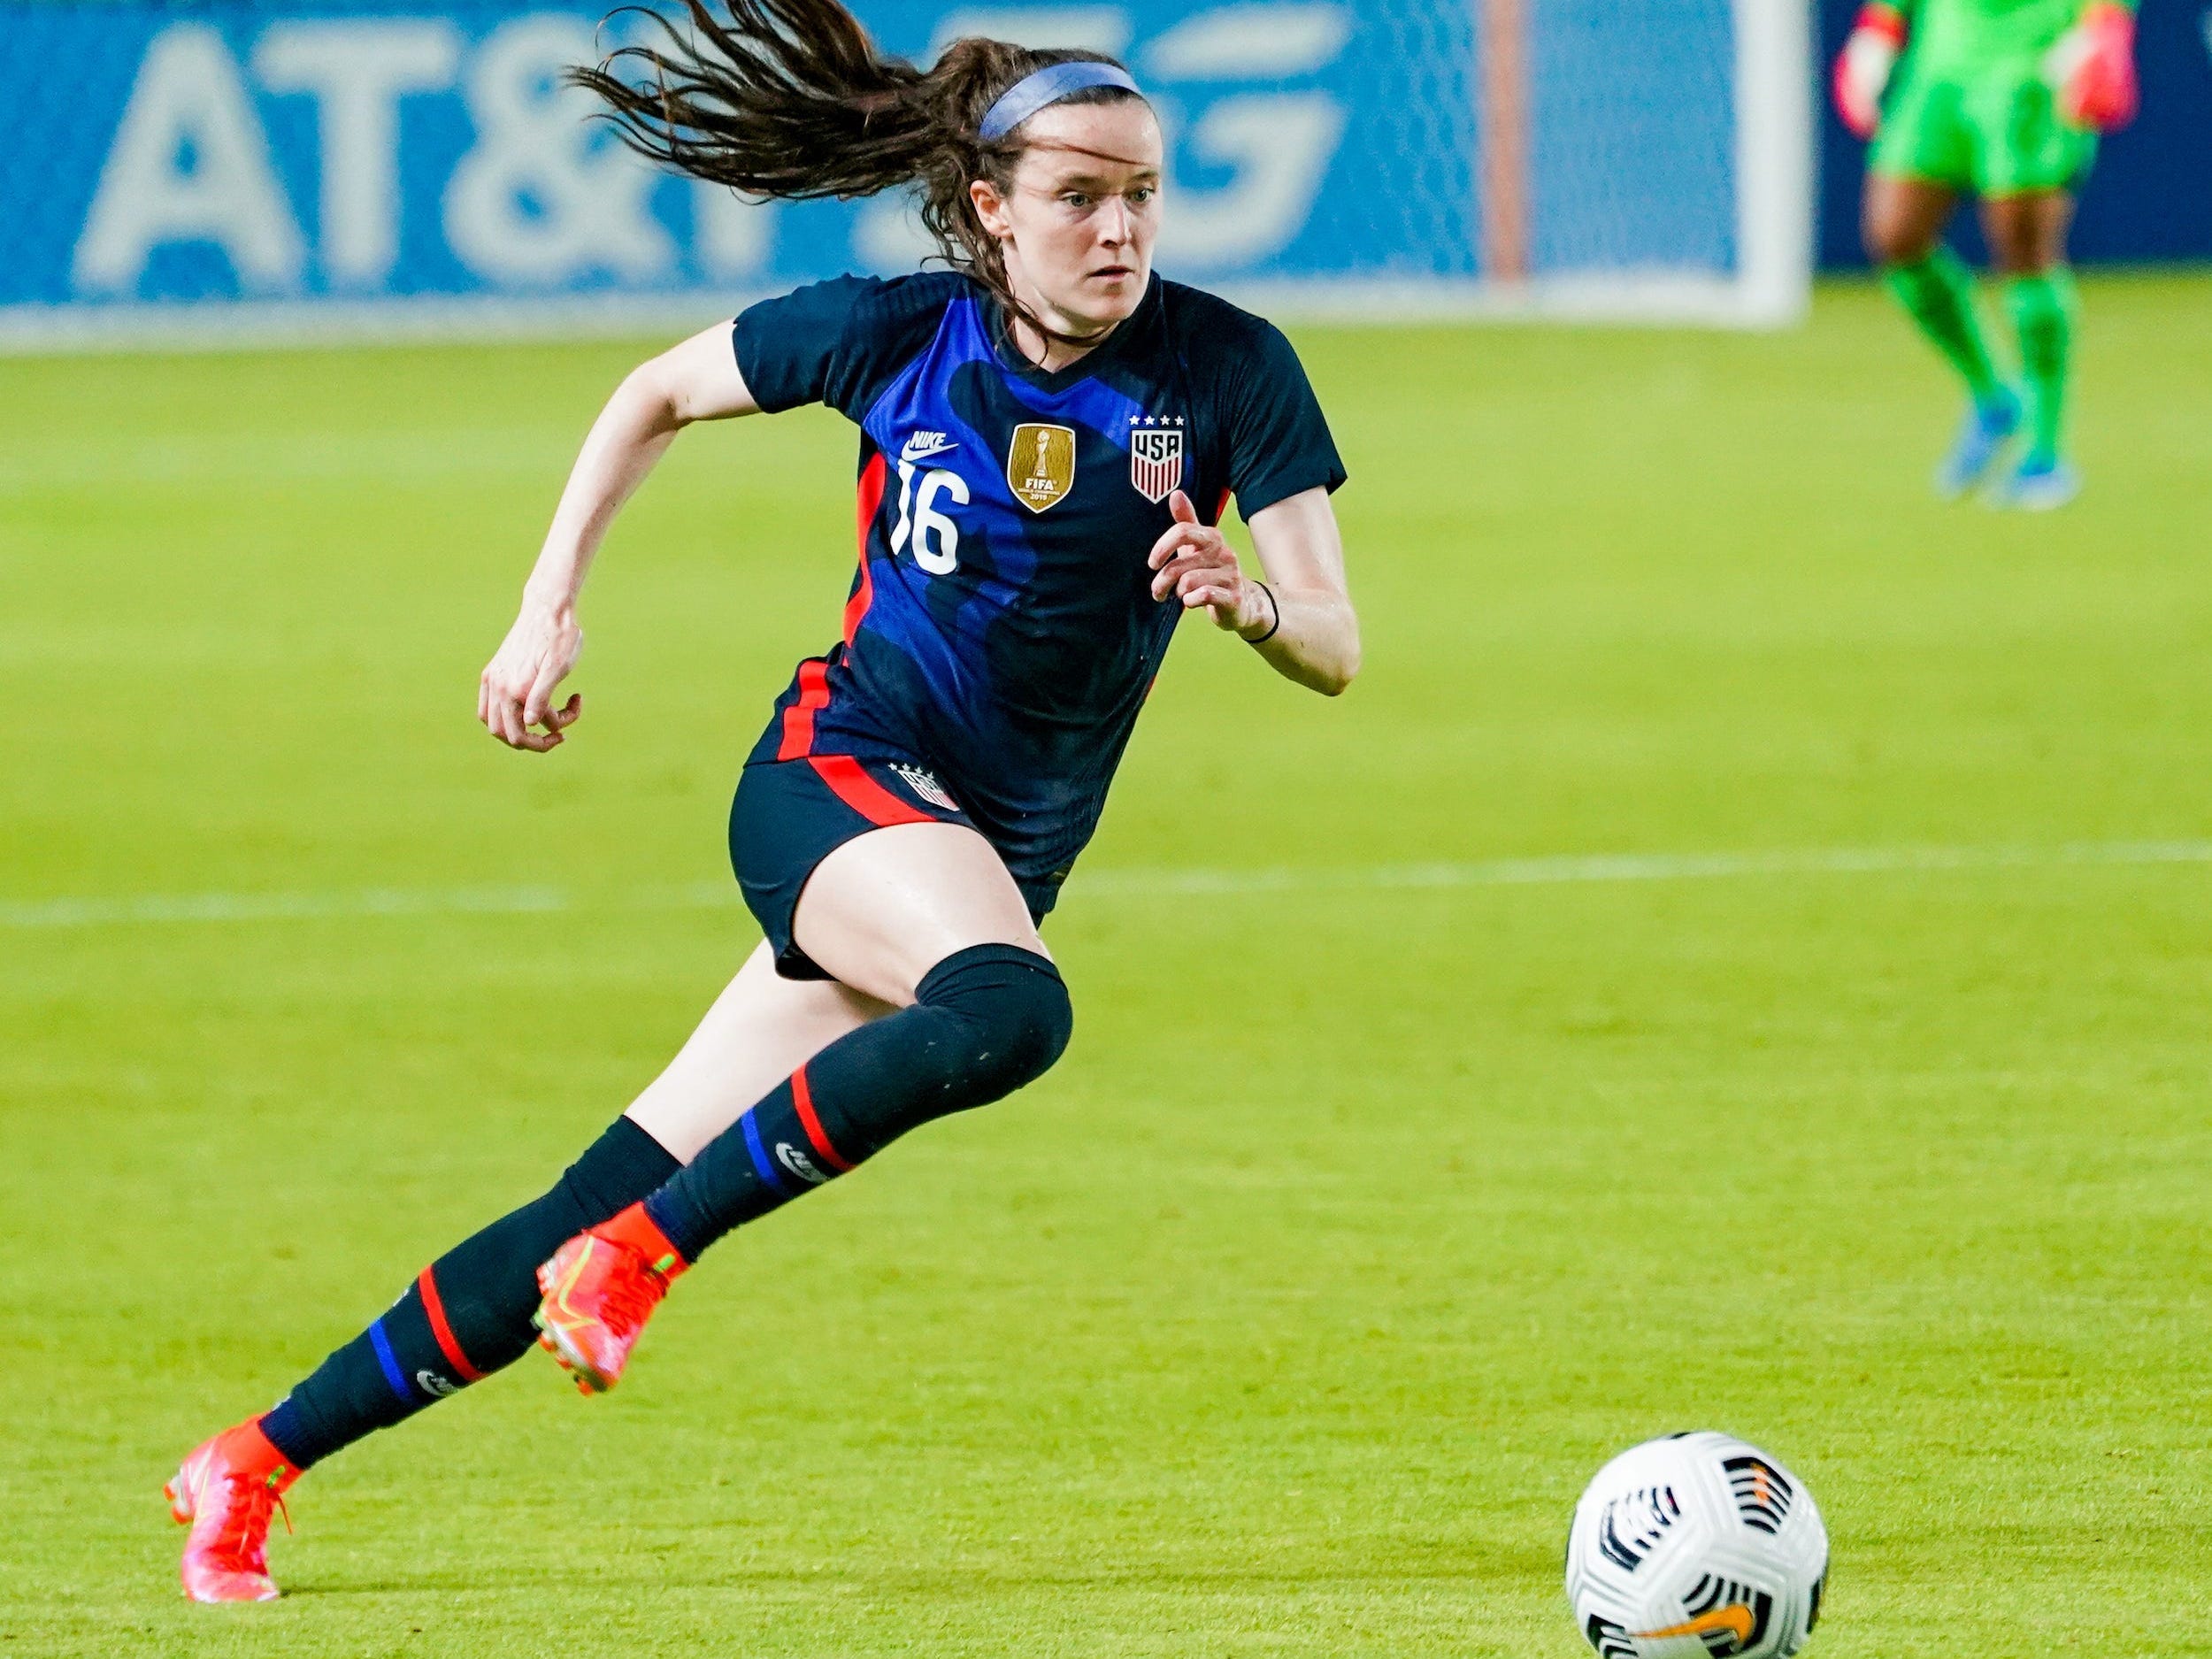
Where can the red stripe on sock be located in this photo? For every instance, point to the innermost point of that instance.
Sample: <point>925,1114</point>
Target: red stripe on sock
<point>857,790</point>
<point>870,498</point>
<point>798,719</point>
<point>447,1344</point>
<point>803,1097</point>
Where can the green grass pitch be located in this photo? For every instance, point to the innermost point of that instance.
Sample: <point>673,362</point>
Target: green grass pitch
<point>1368,1212</point>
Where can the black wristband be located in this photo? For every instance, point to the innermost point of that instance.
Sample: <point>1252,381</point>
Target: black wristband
<point>1273,604</point>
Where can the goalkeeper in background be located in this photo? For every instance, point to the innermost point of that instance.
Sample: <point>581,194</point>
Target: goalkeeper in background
<point>2004,98</point>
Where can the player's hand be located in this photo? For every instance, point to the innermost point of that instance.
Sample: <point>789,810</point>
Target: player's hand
<point>1195,563</point>
<point>2092,68</point>
<point>516,691</point>
<point>1863,66</point>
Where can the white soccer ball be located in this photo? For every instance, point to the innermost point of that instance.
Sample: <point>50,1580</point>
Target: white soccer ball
<point>1696,1547</point>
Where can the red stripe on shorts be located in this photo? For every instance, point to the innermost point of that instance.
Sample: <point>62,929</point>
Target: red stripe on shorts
<point>803,1097</point>
<point>798,719</point>
<point>870,498</point>
<point>447,1344</point>
<point>857,790</point>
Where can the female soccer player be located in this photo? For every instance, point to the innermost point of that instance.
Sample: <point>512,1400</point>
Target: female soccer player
<point>1049,434</point>
<point>2002,97</point>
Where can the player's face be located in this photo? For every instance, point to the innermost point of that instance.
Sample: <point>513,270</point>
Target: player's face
<point>1078,224</point>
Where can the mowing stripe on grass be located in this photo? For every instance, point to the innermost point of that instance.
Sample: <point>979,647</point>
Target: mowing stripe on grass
<point>220,460</point>
<point>1497,872</point>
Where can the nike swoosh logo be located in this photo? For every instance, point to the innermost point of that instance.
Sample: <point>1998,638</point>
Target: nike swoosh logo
<point>1735,1619</point>
<point>923,452</point>
<point>559,1301</point>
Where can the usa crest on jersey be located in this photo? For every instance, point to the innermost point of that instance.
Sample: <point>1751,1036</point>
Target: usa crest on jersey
<point>1155,460</point>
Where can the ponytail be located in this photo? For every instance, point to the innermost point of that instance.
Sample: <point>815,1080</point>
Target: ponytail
<point>790,99</point>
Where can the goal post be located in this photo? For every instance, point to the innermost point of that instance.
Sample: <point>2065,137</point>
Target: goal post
<point>1776,163</point>
<point>1645,161</point>
<point>267,169</point>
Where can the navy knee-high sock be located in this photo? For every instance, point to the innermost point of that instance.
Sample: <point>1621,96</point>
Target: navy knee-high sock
<point>985,1021</point>
<point>468,1314</point>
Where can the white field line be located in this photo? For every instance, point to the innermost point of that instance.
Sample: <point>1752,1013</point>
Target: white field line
<point>1135,883</point>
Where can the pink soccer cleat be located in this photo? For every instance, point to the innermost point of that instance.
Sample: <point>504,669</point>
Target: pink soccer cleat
<point>224,1493</point>
<point>599,1290</point>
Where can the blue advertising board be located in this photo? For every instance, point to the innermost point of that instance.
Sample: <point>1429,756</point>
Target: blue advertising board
<point>363,151</point>
<point>373,158</point>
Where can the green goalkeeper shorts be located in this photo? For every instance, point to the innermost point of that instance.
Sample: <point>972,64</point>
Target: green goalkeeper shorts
<point>1995,131</point>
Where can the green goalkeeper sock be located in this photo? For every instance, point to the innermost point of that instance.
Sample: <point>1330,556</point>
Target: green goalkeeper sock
<point>2042,310</point>
<point>1938,293</point>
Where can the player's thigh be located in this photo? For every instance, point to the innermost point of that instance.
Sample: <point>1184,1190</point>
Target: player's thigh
<point>2027,231</point>
<point>884,908</point>
<point>874,862</point>
<point>1922,159</point>
<point>761,1029</point>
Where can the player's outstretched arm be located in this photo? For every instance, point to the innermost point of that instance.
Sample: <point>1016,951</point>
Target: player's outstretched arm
<point>696,380</point>
<point>1301,618</point>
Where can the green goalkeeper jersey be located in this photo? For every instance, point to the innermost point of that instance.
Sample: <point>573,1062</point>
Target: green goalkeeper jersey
<point>1958,37</point>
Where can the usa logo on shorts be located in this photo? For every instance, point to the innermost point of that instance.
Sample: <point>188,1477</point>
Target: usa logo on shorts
<point>925,784</point>
<point>1155,460</point>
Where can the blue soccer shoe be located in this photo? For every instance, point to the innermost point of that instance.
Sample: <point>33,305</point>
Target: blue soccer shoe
<point>2040,483</point>
<point>1981,440</point>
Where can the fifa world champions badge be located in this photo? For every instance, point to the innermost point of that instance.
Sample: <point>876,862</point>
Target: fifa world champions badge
<point>1155,460</point>
<point>1040,465</point>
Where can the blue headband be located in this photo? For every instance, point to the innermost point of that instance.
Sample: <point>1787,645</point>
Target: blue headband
<point>1049,85</point>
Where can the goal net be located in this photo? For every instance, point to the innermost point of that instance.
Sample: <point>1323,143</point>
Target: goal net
<point>263,167</point>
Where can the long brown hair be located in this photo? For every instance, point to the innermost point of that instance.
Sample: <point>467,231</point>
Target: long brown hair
<point>791,99</point>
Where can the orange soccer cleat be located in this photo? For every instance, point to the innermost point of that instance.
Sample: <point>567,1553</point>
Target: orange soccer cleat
<point>224,1493</point>
<point>599,1290</point>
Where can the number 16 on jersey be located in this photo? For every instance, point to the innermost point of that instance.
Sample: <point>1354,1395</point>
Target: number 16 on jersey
<point>936,538</point>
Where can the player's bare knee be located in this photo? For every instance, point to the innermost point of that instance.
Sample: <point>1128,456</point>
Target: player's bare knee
<point>2027,234</point>
<point>1899,222</point>
<point>1892,238</point>
<point>2020,251</point>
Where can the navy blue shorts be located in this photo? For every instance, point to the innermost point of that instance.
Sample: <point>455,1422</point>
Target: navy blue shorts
<point>789,815</point>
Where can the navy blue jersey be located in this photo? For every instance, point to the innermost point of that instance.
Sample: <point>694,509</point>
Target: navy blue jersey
<point>1002,628</point>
